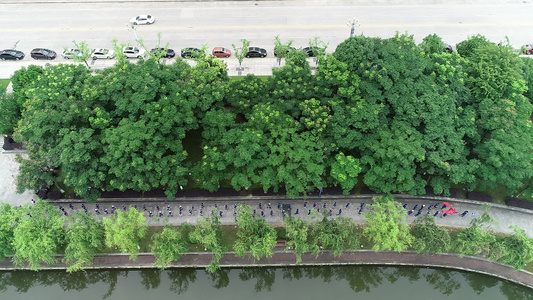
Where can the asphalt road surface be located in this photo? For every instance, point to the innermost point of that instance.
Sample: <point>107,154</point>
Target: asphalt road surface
<point>192,24</point>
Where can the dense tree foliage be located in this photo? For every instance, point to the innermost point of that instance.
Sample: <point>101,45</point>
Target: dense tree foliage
<point>477,238</point>
<point>298,232</point>
<point>428,237</point>
<point>398,116</point>
<point>386,227</point>
<point>255,235</point>
<point>168,246</point>
<point>9,219</point>
<point>124,230</point>
<point>84,238</point>
<point>38,235</point>
<point>337,234</point>
<point>208,233</point>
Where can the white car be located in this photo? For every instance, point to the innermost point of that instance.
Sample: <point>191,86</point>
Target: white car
<point>102,53</point>
<point>133,52</point>
<point>70,53</point>
<point>143,20</point>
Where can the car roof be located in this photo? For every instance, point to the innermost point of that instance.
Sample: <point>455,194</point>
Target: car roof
<point>219,49</point>
<point>10,51</point>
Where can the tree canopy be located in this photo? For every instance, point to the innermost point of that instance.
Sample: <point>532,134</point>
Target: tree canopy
<point>387,113</point>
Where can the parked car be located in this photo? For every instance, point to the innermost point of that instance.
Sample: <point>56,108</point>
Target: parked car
<point>221,52</point>
<point>70,53</point>
<point>142,20</point>
<point>102,53</point>
<point>42,53</point>
<point>190,52</point>
<point>11,54</point>
<point>168,54</point>
<point>133,52</point>
<point>448,48</point>
<point>528,49</point>
<point>288,50</point>
<point>256,52</point>
<point>311,52</point>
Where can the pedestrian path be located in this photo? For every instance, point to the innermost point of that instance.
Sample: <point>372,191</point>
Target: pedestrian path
<point>274,209</point>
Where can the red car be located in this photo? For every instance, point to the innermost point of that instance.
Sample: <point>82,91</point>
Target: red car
<point>221,52</point>
<point>528,49</point>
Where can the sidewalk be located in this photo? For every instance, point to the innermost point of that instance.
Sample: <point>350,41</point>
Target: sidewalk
<point>192,209</point>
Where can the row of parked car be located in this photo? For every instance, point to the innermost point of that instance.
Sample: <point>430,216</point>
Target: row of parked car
<point>136,52</point>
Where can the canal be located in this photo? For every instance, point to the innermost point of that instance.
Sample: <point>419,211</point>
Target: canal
<point>347,282</point>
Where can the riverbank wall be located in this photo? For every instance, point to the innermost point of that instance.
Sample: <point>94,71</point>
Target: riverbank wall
<point>282,258</point>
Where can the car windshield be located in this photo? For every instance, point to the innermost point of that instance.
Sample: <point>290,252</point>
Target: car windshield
<point>148,16</point>
<point>45,52</point>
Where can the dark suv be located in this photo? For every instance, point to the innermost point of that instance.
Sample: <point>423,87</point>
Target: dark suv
<point>256,52</point>
<point>190,52</point>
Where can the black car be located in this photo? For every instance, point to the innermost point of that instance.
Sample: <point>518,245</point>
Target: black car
<point>448,48</point>
<point>190,52</point>
<point>42,53</point>
<point>288,50</point>
<point>168,54</point>
<point>310,51</point>
<point>256,52</point>
<point>11,54</point>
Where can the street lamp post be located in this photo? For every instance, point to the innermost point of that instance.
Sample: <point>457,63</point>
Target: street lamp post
<point>353,23</point>
<point>133,28</point>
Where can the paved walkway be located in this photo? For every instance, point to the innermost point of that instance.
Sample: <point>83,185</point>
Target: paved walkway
<point>168,212</point>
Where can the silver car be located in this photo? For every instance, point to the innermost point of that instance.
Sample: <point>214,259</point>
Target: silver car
<point>102,53</point>
<point>142,20</point>
<point>70,53</point>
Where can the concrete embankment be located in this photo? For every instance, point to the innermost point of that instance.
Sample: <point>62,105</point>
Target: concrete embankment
<point>282,258</point>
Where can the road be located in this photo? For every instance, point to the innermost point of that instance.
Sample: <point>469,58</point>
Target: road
<point>192,24</point>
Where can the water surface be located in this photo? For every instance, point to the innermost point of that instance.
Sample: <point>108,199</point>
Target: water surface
<point>350,282</point>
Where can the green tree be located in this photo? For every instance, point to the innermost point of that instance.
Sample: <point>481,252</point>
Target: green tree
<point>52,109</point>
<point>319,48</point>
<point>468,47</point>
<point>244,94</point>
<point>428,236</point>
<point>84,238</point>
<point>518,248</point>
<point>281,49</point>
<point>38,236</point>
<point>504,131</point>
<point>477,238</point>
<point>84,53</point>
<point>168,246</point>
<point>334,234</point>
<point>208,233</point>
<point>241,52</point>
<point>11,105</point>
<point>10,110</point>
<point>298,236</point>
<point>255,235</point>
<point>386,227</point>
<point>124,230</point>
<point>528,76</point>
<point>9,218</point>
<point>432,44</point>
<point>345,170</point>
